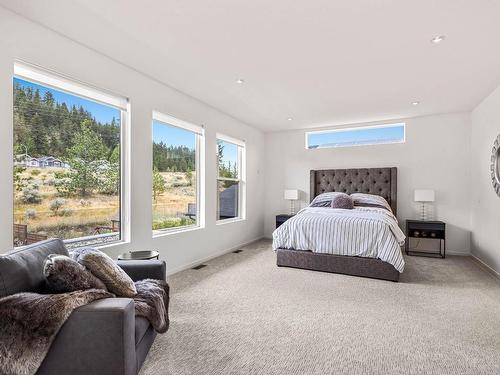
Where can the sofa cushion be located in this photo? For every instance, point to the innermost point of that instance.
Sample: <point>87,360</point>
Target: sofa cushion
<point>141,326</point>
<point>65,275</point>
<point>105,268</point>
<point>22,270</point>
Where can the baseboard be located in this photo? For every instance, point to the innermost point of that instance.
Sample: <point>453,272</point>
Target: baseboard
<point>210,257</point>
<point>485,267</point>
<point>458,253</point>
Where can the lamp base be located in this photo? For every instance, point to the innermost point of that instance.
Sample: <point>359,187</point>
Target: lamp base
<point>423,213</point>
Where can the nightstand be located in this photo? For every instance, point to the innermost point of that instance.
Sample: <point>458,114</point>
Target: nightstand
<point>281,218</point>
<point>426,230</point>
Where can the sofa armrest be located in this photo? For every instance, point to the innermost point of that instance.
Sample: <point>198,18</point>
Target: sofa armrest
<point>98,338</point>
<point>144,269</point>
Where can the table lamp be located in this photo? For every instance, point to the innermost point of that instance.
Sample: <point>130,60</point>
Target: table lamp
<point>292,196</point>
<point>424,196</point>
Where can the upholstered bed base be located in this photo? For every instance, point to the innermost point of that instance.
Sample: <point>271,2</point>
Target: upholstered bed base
<point>348,265</point>
<point>378,181</point>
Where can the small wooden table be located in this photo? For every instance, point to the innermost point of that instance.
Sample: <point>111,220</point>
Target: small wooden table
<point>140,255</point>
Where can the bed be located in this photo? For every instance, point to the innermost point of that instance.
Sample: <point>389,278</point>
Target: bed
<point>298,242</point>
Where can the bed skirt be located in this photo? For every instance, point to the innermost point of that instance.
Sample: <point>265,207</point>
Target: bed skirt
<point>348,265</point>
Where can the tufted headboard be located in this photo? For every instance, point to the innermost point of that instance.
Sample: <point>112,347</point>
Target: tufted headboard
<point>377,181</point>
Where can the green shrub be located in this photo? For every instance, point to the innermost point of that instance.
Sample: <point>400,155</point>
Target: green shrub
<point>172,222</point>
<point>66,211</point>
<point>35,172</point>
<point>64,186</point>
<point>30,194</point>
<point>30,213</point>
<point>55,205</point>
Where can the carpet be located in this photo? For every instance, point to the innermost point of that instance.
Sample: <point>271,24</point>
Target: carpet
<point>243,315</point>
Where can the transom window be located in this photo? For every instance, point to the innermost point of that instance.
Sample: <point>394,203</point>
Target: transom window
<point>359,136</point>
<point>68,160</point>
<point>176,174</point>
<point>230,178</point>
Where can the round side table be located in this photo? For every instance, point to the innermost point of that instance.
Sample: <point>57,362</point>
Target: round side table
<point>140,255</point>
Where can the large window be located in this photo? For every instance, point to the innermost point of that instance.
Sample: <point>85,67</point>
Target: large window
<point>230,178</point>
<point>67,160</point>
<point>176,173</point>
<point>345,137</point>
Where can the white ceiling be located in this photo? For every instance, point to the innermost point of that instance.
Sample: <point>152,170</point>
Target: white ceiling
<point>321,62</point>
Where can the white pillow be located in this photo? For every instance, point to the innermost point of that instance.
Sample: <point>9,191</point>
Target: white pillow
<point>361,199</point>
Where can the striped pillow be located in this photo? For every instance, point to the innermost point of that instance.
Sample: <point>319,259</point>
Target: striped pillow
<point>325,199</point>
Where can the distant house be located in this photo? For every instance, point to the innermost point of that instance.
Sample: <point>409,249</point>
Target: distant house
<point>41,162</point>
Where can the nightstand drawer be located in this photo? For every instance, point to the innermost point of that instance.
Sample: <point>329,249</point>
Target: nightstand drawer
<point>426,225</point>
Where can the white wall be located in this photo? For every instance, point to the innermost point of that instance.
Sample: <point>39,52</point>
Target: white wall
<point>435,156</point>
<point>485,204</point>
<point>32,43</point>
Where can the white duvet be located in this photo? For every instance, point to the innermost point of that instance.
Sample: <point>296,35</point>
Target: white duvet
<point>363,231</point>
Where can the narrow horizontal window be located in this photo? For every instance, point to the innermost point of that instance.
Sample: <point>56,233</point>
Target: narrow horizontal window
<point>361,136</point>
<point>67,161</point>
<point>176,174</point>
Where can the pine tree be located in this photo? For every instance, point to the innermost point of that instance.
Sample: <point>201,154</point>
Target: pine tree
<point>84,157</point>
<point>159,186</point>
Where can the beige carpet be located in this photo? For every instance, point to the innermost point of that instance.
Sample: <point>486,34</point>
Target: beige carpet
<point>244,315</point>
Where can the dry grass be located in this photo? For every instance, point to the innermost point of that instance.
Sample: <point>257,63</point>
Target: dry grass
<point>86,214</point>
<point>98,209</point>
<point>174,202</point>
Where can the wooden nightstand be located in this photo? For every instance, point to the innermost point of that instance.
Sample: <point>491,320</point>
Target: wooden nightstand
<point>429,230</point>
<point>281,218</point>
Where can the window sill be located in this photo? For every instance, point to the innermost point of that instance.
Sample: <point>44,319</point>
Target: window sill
<point>229,221</point>
<point>170,231</point>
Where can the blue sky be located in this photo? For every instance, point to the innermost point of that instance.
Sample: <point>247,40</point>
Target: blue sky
<point>102,113</point>
<point>230,153</point>
<point>173,136</point>
<point>358,136</point>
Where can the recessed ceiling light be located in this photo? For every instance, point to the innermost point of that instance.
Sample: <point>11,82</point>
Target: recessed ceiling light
<point>438,39</point>
<point>415,103</point>
<point>240,81</point>
<point>289,119</point>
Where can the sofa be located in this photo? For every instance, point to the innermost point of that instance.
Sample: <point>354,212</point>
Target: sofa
<point>103,337</point>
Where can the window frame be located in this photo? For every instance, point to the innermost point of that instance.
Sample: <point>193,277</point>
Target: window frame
<point>199,132</point>
<point>241,145</point>
<point>56,81</point>
<point>346,129</point>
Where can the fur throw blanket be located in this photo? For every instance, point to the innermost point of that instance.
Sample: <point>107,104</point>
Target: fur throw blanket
<point>151,302</point>
<point>29,322</point>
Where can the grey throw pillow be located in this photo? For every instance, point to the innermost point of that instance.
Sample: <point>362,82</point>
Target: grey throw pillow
<point>64,275</point>
<point>105,268</point>
<point>342,201</point>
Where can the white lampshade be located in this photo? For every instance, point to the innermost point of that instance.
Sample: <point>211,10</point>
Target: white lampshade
<point>292,195</point>
<point>424,195</point>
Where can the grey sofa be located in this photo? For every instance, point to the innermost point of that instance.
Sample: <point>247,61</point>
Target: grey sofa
<point>103,337</point>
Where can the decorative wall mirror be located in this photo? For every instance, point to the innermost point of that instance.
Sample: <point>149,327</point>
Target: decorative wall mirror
<point>495,165</point>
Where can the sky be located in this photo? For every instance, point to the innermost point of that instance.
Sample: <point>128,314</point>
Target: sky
<point>358,136</point>
<point>102,113</point>
<point>173,136</point>
<point>230,153</point>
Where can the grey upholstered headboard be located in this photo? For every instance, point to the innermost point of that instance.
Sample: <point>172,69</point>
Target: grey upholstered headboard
<point>377,181</point>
